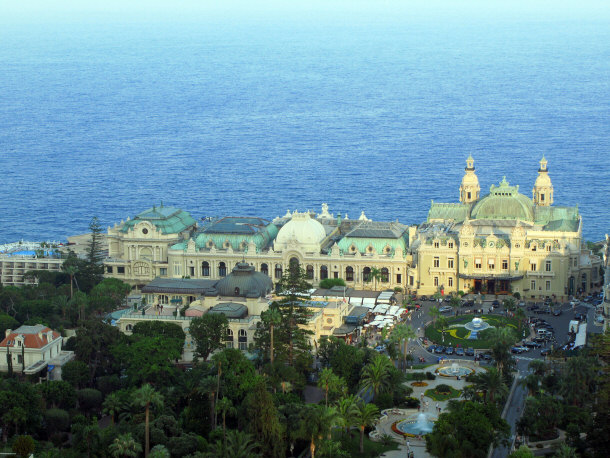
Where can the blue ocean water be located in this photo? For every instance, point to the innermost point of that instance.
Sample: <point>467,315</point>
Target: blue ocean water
<point>227,115</point>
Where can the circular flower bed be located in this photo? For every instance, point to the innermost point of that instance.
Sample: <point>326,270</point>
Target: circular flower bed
<point>442,393</point>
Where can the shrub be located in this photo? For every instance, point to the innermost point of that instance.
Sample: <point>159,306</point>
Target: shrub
<point>398,289</point>
<point>24,446</point>
<point>443,388</point>
<point>328,283</point>
<point>57,420</point>
<point>412,402</point>
<point>430,376</point>
<point>517,295</point>
<point>89,399</point>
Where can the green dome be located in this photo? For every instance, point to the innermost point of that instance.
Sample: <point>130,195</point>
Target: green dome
<point>504,202</point>
<point>244,281</point>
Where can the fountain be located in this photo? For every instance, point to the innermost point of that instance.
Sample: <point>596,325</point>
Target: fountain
<point>477,324</point>
<point>418,426</point>
<point>455,370</point>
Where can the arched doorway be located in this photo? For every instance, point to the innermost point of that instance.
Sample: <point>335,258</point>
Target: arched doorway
<point>205,269</point>
<point>222,269</point>
<point>265,269</point>
<point>349,273</point>
<point>323,272</point>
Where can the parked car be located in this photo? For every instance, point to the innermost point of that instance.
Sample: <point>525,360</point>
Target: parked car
<point>518,350</point>
<point>545,351</point>
<point>531,308</point>
<point>445,309</point>
<point>459,351</point>
<point>449,351</point>
<point>439,349</point>
<point>557,312</point>
<point>469,351</point>
<point>496,303</point>
<point>431,348</point>
<point>521,304</point>
<point>532,344</point>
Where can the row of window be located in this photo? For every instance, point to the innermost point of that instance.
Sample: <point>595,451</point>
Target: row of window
<point>547,285</point>
<point>309,271</point>
<point>242,339</point>
<point>449,282</point>
<point>438,245</point>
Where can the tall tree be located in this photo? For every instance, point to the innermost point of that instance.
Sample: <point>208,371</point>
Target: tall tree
<point>262,420</point>
<point>402,333</point>
<point>124,445</point>
<point>317,422</point>
<point>364,416</point>
<point>224,407</point>
<point>209,333</point>
<point>376,376</point>
<point>330,382</point>
<point>95,254</point>
<point>273,318</point>
<point>147,397</point>
<point>491,383</point>
<point>294,288</point>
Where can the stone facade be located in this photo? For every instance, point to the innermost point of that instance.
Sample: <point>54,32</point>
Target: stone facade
<point>501,242</point>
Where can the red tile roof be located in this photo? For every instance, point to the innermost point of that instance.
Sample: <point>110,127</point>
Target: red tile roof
<point>32,340</point>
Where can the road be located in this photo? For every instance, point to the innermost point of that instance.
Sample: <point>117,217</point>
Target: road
<point>516,404</point>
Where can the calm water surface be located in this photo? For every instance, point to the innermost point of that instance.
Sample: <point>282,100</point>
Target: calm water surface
<point>254,117</point>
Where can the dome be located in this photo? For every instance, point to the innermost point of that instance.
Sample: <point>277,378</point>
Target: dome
<point>543,180</point>
<point>244,281</point>
<point>308,233</point>
<point>504,202</point>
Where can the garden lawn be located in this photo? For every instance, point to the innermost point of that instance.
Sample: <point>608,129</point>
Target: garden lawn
<point>455,336</point>
<point>351,444</point>
<point>443,397</point>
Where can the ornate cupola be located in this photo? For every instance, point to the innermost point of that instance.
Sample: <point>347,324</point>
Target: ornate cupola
<point>469,189</point>
<point>543,189</point>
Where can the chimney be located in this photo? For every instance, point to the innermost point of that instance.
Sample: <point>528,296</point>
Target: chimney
<point>7,332</point>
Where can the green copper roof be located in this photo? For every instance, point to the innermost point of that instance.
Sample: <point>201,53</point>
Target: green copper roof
<point>169,220</point>
<point>455,212</point>
<point>379,245</point>
<point>562,219</point>
<point>239,232</point>
<point>376,234</point>
<point>504,202</point>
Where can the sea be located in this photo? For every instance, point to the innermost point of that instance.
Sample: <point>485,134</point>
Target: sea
<point>241,110</point>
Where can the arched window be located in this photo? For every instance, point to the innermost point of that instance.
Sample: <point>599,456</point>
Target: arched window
<point>205,269</point>
<point>278,271</point>
<point>242,339</point>
<point>163,299</point>
<point>310,272</point>
<point>366,274</point>
<point>349,273</point>
<point>323,272</point>
<point>229,339</point>
<point>293,262</point>
<point>128,327</point>
<point>222,269</point>
<point>265,269</point>
<point>385,275</point>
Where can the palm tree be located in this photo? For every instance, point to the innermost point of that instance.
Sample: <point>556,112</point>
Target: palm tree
<point>403,333</point>
<point>375,276</point>
<point>365,415</point>
<point>520,315</point>
<point>539,367</point>
<point>317,422</point>
<point>501,354</point>
<point>532,383</point>
<point>376,376</point>
<point>112,406</point>
<point>238,445</point>
<point>434,313</point>
<point>491,383</point>
<point>159,451</point>
<point>565,451</point>
<point>16,416</point>
<point>147,397</point>
<point>71,270</point>
<point>455,302</point>
<point>241,445</point>
<point>274,318</point>
<point>125,445</point>
<point>225,406</point>
<point>208,387</point>
<point>509,304</point>
<point>329,382</point>
<point>346,408</point>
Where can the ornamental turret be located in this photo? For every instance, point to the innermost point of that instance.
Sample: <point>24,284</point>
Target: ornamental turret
<point>543,188</point>
<point>469,189</point>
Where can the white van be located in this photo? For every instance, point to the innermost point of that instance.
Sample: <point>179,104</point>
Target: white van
<point>543,332</point>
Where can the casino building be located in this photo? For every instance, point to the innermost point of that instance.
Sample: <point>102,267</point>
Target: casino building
<point>498,243</point>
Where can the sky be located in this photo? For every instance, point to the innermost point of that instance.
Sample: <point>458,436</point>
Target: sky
<point>45,10</point>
